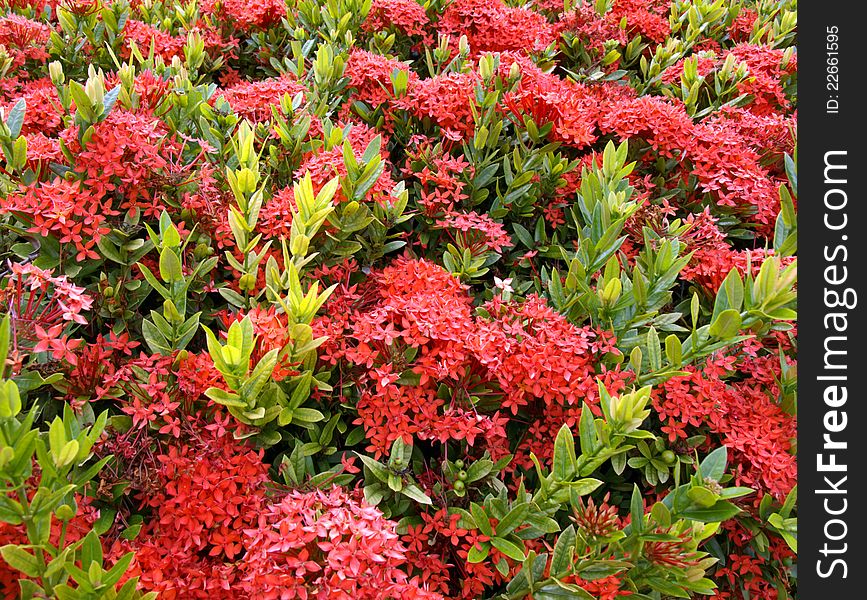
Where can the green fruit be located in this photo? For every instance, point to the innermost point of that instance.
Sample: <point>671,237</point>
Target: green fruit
<point>459,463</point>
<point>459,486</point>
<point>669,457</point>
<point>462,475</point>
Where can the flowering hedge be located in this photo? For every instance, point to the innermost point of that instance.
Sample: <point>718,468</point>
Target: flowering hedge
<point>375,299</point>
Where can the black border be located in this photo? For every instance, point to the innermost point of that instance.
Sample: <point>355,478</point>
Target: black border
<point>818,133</point>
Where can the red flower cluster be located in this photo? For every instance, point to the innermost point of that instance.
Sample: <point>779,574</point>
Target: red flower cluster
<point>445,100</point>
<point>491,26</point>
<point>146,36</point>
<point>246,15</point>
<point>406,16</point>
<point>475,232</point>
<point>744,414</point>
<point>212,490</point>
<point>326,545</point>
<point>43,306</point>
<point>23,39</point>
<point>253,101</point>
<point>534,353</point>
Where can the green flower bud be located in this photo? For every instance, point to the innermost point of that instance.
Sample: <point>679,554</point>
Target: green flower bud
<point>247,282</point>
<point>201,251</point>
<point>65,512</point>
<point>247,180</point>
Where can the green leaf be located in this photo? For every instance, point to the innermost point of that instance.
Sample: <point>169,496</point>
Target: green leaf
<point>355,436</point>
<point>714,464</point>
<point>128,590</point>
<point>4,339</point>
<point>564,454</point>
<point>734,289</point>
<point>378,469</point>
<point>261,375</point>
<point>113,575</point>
<point>481,519</point>
<point>561,559</point>
<point>170,266</point>
<point>301,391</point>
<point>721,511</point>
<point>20,560</point>
<point>562,591</point>
<point>636,510</point>
<point>371,151</point>
<point>466,520</point>
<point>661,514</point>
<point>787,528</point>
<point>524,235</point>
<point>15,120</point>
<point>597,569</point>
<point>673,350</point>
<point>702,496</point>
<point>727,325</point>
<point>91,550</point>
<point>225,398</point>
<point>56,438</point>
<point>414,492</point>
<point>539,524</point>
<point>479,470</point>
<point>666,587</point>
<point>64,592</point>
<point>513,519</point>
<point>508,548</point>
<point>584,486</point>
<point>153,281</point>
<point>308,415</point>
<point>109,100</point>
<point>654,356</point>
<point>587,431</point>
<point>478,552</point>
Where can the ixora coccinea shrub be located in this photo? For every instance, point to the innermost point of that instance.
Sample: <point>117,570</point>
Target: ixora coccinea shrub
<point>393,299</point>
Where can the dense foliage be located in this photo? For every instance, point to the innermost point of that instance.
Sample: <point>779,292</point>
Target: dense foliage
<point>375,299</point>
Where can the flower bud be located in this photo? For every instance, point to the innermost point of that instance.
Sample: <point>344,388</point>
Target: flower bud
<point>611,292</point>
<point>514,72</point>
<point>7,454</point>
<point>126,74</point>
<point>201,251</point>
<point>486,67</point>
<point>247,180</point>
<point>65,512</point>
<point>55,69</point>
<point>10,399</point>
<point>463,45</point>
<point>180,358</point>
<point>247,282</point>
<point>299,245</point>
<point>95,90</point>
